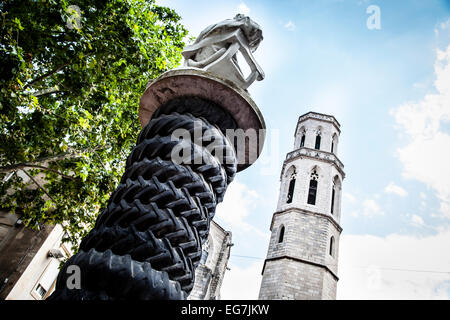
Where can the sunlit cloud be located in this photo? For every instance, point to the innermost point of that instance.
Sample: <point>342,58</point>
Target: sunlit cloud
<point>242,283</point>
<point>243,8</point>
<point>426,156</point>
<point>417,221</point>
<point>395,189</point>
<point>394,267</point>
<point>236,207</point>
<point>371,208</point>
<point>290,26</point>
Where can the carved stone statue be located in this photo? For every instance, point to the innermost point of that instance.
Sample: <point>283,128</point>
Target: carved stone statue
<point>216,47</point>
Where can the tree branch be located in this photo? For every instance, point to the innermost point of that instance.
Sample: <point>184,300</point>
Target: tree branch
<point>45,93</point>
<point>45,75</point>
<point>62,156</point>
<point>30,165</point>
<point>36,183</point>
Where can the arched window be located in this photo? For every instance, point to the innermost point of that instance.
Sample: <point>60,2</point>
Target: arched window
<point>281,235</point>
<point>318,138</point>
<point>333,194</point>
<point>290,192</point>
<point>302,141</point>
<point>290,195</point>
<point>334,142</point>
<point>312,193</point>
<point>332,246</point>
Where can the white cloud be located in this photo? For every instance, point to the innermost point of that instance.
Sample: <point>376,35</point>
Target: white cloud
<point>417,221</point>
<point>354,213</point>
<point>290,26</point>
<point>349,197</point>
<point>445,25</point>
<point>395,189</point>
<point>445,209</point>
<point>427,155</point>
<point>369,267</point>
<point>239,201</point>
<point>420,85</point>
<point>242,283</point>
<point>362,2</point>
<point>371,208</point>
<point>242,8</point>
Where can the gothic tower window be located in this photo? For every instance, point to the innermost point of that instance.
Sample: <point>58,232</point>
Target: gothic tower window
<point>318,138</point>
<point>281,235</point>
<point>291,188</point>
<point>302,141</point>
<point>332,246</point>
<point>333,194</point>
<point>290,195</point>
<point>334,144</point>
<point>312,193</point>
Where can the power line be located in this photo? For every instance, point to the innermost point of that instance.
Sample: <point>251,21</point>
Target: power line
<point>407,270</point>
<point>248,257</point>
<point>363,267</point>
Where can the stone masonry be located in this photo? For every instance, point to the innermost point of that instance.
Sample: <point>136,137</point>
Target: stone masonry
<point>302,259</point>
<point>210,273</point>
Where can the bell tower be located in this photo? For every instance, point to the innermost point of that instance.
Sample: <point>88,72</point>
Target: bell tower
<point>302,258</point>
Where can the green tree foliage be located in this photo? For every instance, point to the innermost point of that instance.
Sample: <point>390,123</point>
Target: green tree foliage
<point>70,83</point>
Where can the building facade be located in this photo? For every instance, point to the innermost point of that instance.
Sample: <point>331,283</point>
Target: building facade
<point>211,270</point>
<point>29,259</point>
<point>302,259</point>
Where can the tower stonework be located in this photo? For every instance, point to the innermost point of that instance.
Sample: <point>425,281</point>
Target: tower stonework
<point>302,259</point>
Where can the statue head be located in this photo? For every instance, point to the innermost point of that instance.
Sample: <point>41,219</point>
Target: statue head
<point>251,30</point>
<point>216,47</point>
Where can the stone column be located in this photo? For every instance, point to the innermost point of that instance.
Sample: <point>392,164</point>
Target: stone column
<point>147,243</point>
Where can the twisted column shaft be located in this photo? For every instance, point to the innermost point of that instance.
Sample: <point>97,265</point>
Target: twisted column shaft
<point>147,243</point>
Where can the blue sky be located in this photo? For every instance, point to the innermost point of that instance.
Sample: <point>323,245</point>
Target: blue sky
<point>390,90</point>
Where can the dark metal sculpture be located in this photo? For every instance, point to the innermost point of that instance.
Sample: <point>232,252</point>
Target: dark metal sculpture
<point>147,243</point>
